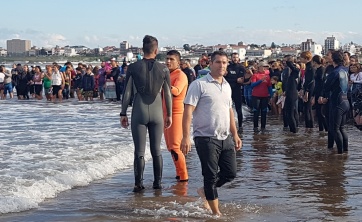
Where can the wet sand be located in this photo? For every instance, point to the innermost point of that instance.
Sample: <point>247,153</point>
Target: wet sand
<point>281,177</point>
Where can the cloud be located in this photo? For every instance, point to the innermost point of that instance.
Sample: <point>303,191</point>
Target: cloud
<point>37,38</point>
<point>230,36</point>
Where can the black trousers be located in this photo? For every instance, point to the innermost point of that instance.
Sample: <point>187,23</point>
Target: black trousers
<point>329,117</point>
<point>218,163</point>
<point>321,117</point>
<point>339,114</point>
<point>119,89</point>
<point>291,113</point>
<point>260,105</point>
<point>236,97</point>
<point>308,117</point>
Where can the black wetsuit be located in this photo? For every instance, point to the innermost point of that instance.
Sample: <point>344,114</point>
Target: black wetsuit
<point>291,97</point>
<point>336,86</point>
<point>320,108</point>
<point>329,69</point>
<point>284,78</point>
<point>236,71</point>
<point>308,86</point>
<point>146,80</point>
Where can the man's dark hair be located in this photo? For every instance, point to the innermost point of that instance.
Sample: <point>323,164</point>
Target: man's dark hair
<point>337,57</point>
<point>1,69</point>
<point>68,63</point>
<point>174,53</point>
<point>348,53</point>
<point>234,53</point>
<point>150,44</point>
<point>218,53</point>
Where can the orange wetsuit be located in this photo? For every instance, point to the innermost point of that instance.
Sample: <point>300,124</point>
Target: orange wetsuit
<point>173,135</point>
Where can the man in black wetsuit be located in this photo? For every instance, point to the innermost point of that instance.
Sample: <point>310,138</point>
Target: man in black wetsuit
<point>235,77</point>
<point>147,80</point>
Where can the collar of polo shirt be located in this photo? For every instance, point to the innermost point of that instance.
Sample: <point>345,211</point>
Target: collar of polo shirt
<point>211,79</point>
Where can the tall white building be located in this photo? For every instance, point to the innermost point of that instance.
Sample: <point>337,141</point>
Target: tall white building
<point>331,43</point>
<point>350,47</point>
<point>316,49</point>
<point>18,46</point>
<point>307,45</point>
<point>124,47</point>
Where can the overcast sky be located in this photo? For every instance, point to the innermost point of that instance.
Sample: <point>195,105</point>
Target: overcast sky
<point>101,23</point>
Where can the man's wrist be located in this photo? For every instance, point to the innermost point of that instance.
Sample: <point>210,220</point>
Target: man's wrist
<point>121,114</point>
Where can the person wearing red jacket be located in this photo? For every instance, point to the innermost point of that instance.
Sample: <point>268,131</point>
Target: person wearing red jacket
<point>261,94</point>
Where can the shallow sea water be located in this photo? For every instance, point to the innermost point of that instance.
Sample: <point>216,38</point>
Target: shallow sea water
<point>281,176</point>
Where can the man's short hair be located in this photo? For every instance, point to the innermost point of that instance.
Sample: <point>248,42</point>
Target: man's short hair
<point>337,57</point>
<point>218,53</point>
<point>174,53</point>
<point>150,44</point>
<point>234,53</point>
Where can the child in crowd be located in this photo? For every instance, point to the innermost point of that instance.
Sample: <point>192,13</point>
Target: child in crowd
<point>88,84</point>
<point>278,92</point>
<point>78,83</point>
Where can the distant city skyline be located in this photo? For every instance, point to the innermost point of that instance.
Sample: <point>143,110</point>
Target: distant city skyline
<point>92,23</point>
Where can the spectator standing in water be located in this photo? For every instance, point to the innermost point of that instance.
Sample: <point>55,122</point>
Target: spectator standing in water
<point>209,102</point>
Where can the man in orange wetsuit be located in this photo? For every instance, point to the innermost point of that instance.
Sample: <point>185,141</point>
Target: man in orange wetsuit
<point>173,135</point>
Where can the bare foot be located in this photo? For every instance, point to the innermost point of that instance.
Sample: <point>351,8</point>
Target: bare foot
<point>201,193</point>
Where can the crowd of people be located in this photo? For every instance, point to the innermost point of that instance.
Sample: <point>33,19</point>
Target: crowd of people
<point>292,87</point>
<point>56,82</point>
<point>166,98</point>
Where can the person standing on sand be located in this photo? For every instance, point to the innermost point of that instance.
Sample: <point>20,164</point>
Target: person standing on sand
<point>209,102</point>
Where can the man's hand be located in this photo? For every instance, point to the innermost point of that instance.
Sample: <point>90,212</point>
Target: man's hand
<point>124,122</point>
<point>312,101</point>
<point>238,142</point>
<point>305,98</point>
<point>168,122</point>
<point>185,145</point>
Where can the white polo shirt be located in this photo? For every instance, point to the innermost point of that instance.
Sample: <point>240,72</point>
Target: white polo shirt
<point>211,117</point>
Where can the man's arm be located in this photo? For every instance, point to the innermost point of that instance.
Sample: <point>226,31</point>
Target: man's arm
<point>234,131</point>
<point>186,125</point>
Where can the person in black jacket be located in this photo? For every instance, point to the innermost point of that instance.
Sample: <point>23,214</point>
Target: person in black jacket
<point>77,83</point>
<point>88,84</point>
<point>189,73</point>
<point>234,76</point>
<point>116,74</point>
<point>308,88</point>
<point>22,82</point>
<point>318,63</point>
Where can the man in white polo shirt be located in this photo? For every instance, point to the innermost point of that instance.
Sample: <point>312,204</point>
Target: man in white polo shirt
<point>208,100</point>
